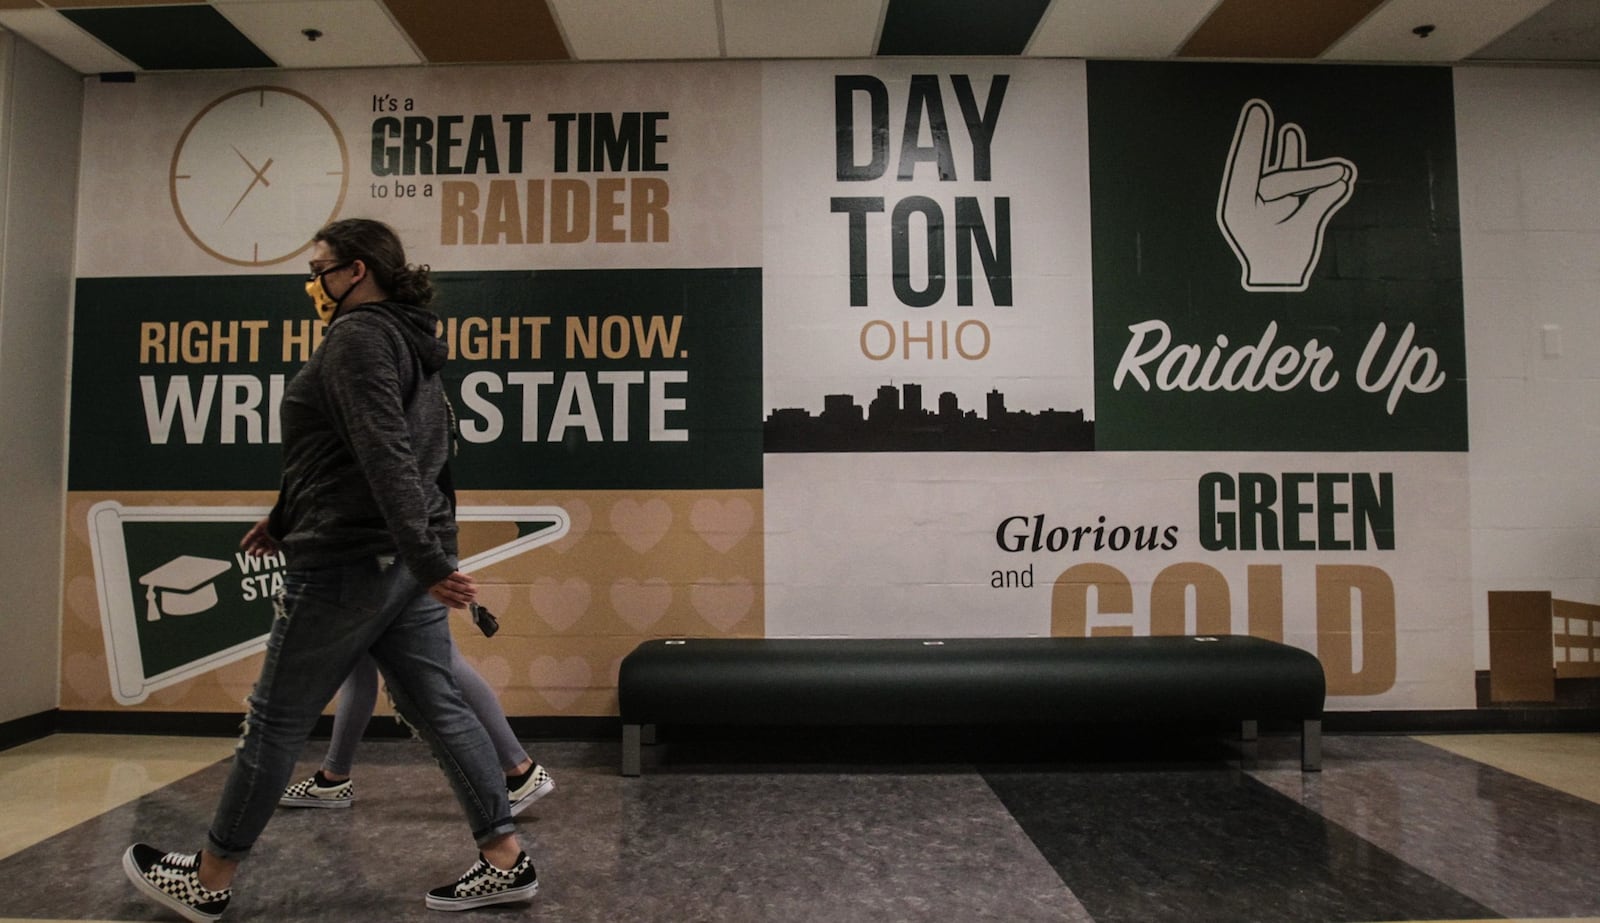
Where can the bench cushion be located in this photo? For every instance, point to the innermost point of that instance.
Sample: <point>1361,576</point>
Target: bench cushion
<point>896,681</point>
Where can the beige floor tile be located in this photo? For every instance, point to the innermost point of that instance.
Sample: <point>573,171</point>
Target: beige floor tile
<point>1568,762</point>
<point>63,780</point>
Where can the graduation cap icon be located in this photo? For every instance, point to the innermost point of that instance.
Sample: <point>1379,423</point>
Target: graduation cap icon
<point>182,586</point>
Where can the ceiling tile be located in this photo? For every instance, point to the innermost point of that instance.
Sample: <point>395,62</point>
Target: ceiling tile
<point>480,31</point>
<point>1566,30</point>
<point>144,34</point>
<point>66,4</point>
<point>1117,28</point>
<point>58,37</point>
<point>616,30</point>
<point>1274,29</point>
<point>1460,27</point>
<point>815,29</point>
<point>959,27</point>
<point>354,33</point>
<point>170,37</point>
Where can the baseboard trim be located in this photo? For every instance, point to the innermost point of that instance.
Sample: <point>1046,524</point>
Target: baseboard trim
<point>29,727</point>
<point>226,724</point>
<point>1465,720</point>
<point>221,724</point>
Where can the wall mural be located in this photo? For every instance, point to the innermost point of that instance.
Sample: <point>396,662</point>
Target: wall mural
<point>869,348</point>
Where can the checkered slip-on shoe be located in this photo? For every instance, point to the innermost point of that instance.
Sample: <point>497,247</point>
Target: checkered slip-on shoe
<point>173,881</point>
<point>528,788</point>
<point>484,885</point>
<point>318,792</point>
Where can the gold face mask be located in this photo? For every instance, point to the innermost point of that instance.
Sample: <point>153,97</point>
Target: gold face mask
<point>324,303</point>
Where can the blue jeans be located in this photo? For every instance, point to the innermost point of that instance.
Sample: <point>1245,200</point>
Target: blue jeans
<point>327,619</point>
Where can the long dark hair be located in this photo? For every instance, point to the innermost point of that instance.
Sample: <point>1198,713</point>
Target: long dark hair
<point>378,246</point>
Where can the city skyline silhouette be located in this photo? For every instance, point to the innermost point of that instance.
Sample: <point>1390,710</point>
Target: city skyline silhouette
<point>896,420</point>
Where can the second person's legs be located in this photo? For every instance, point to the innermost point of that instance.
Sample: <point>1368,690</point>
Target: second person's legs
<point>331,786</point>
<point>526,780</point>
<point>357,698</point>
<point>485,704</point>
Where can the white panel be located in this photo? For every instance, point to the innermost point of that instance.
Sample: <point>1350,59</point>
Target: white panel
<point>1526,140</point>
<point>134,130</point>
<point>915,544</point>
<point>56,36</point>
<point>355,33</point>
<point>817,29</point>
<point>1117,28</point>
<point>1460,28</point>
<point>41,105</point>
<point>1042,332</point>
<point>639,30</point>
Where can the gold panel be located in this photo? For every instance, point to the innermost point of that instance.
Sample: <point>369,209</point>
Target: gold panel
<point>481,31</point>
<point>1274,29</point>
<point>1521,667</point>
<point>1581,639</point>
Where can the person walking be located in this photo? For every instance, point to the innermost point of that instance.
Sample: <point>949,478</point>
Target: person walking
<point>366,521</point>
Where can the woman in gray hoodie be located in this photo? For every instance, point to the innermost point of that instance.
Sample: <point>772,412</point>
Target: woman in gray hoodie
<point>366,519</point>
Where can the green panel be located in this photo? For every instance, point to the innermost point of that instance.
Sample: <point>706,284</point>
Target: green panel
<point>718,344</point>
<point>170,37</point>
<point>123,328</point>
<point>959,27</point>
<point>1159,146</point>
<point>242,611</point>
<point>111,443</point>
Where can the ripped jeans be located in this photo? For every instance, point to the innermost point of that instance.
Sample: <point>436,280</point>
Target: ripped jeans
<point>327,619</point>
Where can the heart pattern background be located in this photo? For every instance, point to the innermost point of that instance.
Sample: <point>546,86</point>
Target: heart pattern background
<point>560,603</point>
<point>723,524</point>
<point>632,566</point>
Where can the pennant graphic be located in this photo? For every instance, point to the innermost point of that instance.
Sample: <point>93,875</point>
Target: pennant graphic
<point>189,565</point>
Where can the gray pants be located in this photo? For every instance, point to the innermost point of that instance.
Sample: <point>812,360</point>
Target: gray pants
<point>359,696</point>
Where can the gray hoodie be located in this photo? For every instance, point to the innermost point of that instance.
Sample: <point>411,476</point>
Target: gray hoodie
<point>366,433</point>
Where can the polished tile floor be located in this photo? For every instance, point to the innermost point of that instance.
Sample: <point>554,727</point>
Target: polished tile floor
<point>874,827</point>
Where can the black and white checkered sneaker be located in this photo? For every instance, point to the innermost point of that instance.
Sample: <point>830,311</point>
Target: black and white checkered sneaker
<point>484,885</point>
<point>318,792</point>
<point>173,881</point>
<point>528,788</point>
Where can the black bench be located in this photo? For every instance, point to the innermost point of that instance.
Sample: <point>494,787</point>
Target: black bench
<point>793,682</point>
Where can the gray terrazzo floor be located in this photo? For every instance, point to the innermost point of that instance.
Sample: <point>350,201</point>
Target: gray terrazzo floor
<point>1392,829</point>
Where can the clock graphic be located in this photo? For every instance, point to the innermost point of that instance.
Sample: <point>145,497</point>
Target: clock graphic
<point>257,173</point>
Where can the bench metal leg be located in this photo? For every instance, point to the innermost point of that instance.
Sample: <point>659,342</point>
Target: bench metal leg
<point>630,750</point>
<point>1311,746</point>
<point>1247,730</point>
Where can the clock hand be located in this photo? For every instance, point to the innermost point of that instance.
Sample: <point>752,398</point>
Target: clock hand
<point>261,174</point>
<point>260,177</point>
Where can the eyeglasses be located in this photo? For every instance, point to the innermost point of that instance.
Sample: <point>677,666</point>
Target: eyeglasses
<point>323,267</point>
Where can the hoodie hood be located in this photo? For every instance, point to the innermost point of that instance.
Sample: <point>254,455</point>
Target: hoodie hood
<point>419,326</point>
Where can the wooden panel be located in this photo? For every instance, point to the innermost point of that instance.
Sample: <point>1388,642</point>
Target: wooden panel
<point>480,31</point>
<point>1579,637</point>
<point>1521,667</point>
<point>1274,29</point>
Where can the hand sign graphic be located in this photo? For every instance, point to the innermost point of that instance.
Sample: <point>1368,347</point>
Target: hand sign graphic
<point>1273,211</point>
